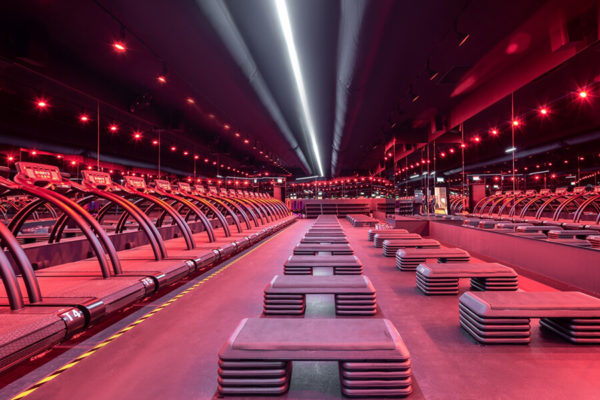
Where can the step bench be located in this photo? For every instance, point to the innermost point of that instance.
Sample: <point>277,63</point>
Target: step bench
<point>570,233</point>
<point>324,234</point>
<point>594,241</point>
<point>373,232</point>
<point>257,358</point>
<point>324,239</point>
<point>381,237</point>
<point>409,259</point>
<point>391,246</point>
<point>303,265</point>
<point>570,242</point>
<point>504,317</point>
<point>286,295</point>
<point>535,228</point>
<point>314,248</point>
<point>438,279</point>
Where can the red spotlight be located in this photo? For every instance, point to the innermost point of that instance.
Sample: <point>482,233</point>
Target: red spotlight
<point>246,141</point>
<point>155,142</point>
<point>42,103</point>
<point>494,131</point>
<point>206,160</point>
<point>451,151</point>
<point>227,127</point>
<point>544,111</point>
<point>173,148</point>
<point>190,100</point>
<point>496,178</point>
<point>477,139</point>
<point>389,155</point>
<point>583,94</point>
<point>237,134</point>
<point>137,135</point>
<point>516,122</point>
<point>214,163</point>
<point>73,162</point>
<point>442,154</point>
<point>463,145</point>
<point>119,46</point>
<point>553,176</point>
<point>83,118</point>
<point>113,128</point>
<point>185,153</point>
<point>161,79</point>
<point>110,171</point>
<point>196,156</point>
<point>10,158</point>
<point>89,167</point>
<point>34,152</point>
<point>536,177</point>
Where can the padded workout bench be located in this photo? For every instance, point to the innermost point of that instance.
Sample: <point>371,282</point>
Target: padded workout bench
<point>373,232</point>
<point>324,239</point>
<point>504,317</point>
<point>303,265</point>
<point>391,246</point>
<point>408,259</point>
<point>435,278</point>
<point>314,248</point>
<point>286,295</point>
<point>328,233</point>
<point>257,358</point>
<point>381,237</point>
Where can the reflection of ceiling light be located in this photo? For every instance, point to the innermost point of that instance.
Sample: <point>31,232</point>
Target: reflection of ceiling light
<point>286,28</point>
<point>460,36</point>
<point>431,73</point>
<point>510,150</point>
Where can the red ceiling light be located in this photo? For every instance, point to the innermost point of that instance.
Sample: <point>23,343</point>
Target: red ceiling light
<point>119,46</point>
<point>462,145</point>
<point>516,122</point>
<point>389,155</point>
<point>110,171</point>
<point>206,160</point>
<point>89,167</point>
<point>494,131</point>
<point>196,156</point>
<point>189,100</point>
<point>137,135</point>
<point>34,152</point>
<point>113,128</point>
<point>237,134</point>
<point>73,162</point>
<point>544,111</point>
<point>385,158</point>
<point>186,153</point>
<point>84,118</point>
<point>173,148</point>
<point>451,151</point>
<point>59,157</point>
<point>227,127</point>
<point>42,103</point>
<point>161,79</point>
<point>477,139</point>
<point>442,154</point>
<point>10,158</point>
<point>246,141</point>
<point>583,94</point>
<point>553,176</point>
<point>155,142</point>
<point>214,163</point>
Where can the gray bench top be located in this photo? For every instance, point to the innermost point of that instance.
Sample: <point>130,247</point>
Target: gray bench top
<point>431,253</point>
<point>323,247</point>
<point>320,284</point>
<point>464,270</point>
<point>324,239</point>
<point>532,304</point>
<point>411,243</point>
<point>322,261</point>
<point>315,339</point>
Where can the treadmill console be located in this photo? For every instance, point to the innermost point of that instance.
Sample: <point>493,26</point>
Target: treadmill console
<point>597,189</point>
<point>184,187</point>
<point>498,193</point>
<point>579,189</point>
<point>97,179</point>
<point>224,191</point>
<point>560,190</point>
<point>200,189</point>
<point>163,185</point>
<point>545,191</point>
<point>529,192</point>
<point>240,193</point>
<point>231,192</point>
<point>135,182</point>
<point>38,174</point>
<point>213,189</point>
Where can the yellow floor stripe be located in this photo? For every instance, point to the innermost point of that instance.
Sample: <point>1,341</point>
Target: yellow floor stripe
<point>135,323</point>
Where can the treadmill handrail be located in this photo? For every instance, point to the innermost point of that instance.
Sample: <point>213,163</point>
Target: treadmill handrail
<point>200,201</point>
<point>31,283</point>
<point>226,203</point>
<point>11,284</point>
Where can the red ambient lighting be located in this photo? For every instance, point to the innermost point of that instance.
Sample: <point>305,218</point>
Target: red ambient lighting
<point>155,142</point>
<point>173,148</point>
<point>84,118</point>
<point>494,132</point>
<point>113,128</point>
<point>161,79</point>
<point>137,135</point>
<point>544,111</point>
<point>190,100</point>
<point>583,94</point>
<point>516,122</point>
<point>119,47</point>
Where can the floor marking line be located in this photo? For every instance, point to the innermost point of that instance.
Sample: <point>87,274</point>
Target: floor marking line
<point>100,345</point>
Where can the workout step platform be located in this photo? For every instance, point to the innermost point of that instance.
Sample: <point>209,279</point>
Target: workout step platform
<point>286,295</point>
<point>511,225</point>
<point>594,241</point>
<point>381,237</point>
<point>372,232</point>
<point>535,228</point>
<point>324,234</point>
<point>530,235</point>
<point>440,279</point>
<point>303,265</point>
<point>571,242</point>
<point>390,246</point>
<point>361,220</point>
<point>471,222</point>
<point>487,224</point>
<point>314,248</point>
<point>409,259</point>
<point>324,239</point>
<point>257,358</point>
<point>504,317</point>
<point>570,233</point>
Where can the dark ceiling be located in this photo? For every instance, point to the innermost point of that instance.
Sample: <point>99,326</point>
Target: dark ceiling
<point>363,63</point>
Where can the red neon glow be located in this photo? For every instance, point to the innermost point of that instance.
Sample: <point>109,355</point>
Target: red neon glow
<point>119,47</point>
<point>161,79</point>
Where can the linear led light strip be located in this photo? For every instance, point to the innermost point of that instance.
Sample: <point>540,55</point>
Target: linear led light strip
<point>286,28</point>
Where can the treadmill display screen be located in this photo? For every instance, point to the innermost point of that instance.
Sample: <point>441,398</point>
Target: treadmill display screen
<point>162,184</point>
<point>97,178</point>
<point>135,182</point>
<point>40,172</point>
<point>185,186</point>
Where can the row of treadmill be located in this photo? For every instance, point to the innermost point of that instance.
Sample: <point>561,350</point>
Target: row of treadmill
<point>372,357</point>
<point>494,311</point>
<point>75,253</point>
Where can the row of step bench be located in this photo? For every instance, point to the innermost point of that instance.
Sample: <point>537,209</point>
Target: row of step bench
<point>373,360</point>
<point>494,311</point>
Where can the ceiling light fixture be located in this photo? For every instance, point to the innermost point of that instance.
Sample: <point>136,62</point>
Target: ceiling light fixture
<point>431,73</point>
<point>286,28</point>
